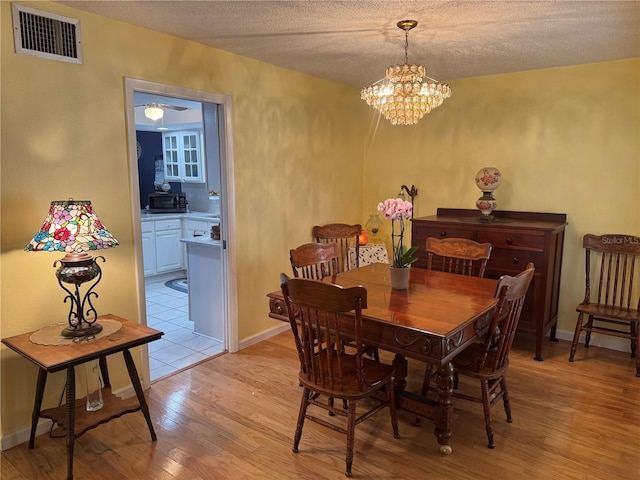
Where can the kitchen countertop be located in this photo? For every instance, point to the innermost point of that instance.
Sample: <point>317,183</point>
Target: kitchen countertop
<point>145,216</point>
<point>203,240</point>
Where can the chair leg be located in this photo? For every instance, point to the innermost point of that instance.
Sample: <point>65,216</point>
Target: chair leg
<point>634,333</point>
<point>304,403</point>
<point>576,336</point>
<point>426,381</point>
<point>351,430</point>
<point>505,399</point>
<point>486,403</point>
<point>587,337</point>
<point>392,408</point>
<point>428,373</point>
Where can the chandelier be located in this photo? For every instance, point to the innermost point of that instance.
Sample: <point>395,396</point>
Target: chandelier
<point>405,94</point>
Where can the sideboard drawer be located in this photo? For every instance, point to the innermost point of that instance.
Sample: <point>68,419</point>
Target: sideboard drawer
<point>510,261</point>
<point>513,239</point>
<point>444,231</point>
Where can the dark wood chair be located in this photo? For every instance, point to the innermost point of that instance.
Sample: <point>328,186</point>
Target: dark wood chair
<point>454,255</point>
<point>321,315</point>
<point>488,362</point>
<point>343,235</point>
<point>314,260</point>
<point>610,261</point>
<point>457,255</point>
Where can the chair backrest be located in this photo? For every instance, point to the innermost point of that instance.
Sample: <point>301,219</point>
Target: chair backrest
<point>316,311</point>
<point>343,235</point>
<point>611,262</point>
<point>314,260</point>
<point>511,292</point>
<point>457,255</point>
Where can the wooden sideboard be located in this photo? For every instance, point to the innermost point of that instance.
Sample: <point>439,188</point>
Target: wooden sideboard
<point>517,238</point>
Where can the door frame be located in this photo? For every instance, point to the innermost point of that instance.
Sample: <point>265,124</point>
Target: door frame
<point>227,202</point>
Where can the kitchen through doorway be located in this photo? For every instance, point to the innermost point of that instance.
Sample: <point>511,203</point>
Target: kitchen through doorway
<point>200,119</point>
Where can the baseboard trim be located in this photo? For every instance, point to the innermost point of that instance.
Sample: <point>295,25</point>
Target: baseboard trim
<point>264,335</point>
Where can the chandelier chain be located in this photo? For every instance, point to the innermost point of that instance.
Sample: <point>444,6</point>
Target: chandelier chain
<point>406,46</point>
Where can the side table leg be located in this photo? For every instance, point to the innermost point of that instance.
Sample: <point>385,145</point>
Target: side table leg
<point>135,380</point>
<point>37,405</point>
<point>444,415</point>
<point>71,412</point>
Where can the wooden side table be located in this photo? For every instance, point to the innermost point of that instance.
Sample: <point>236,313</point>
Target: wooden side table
<point>54,357</point>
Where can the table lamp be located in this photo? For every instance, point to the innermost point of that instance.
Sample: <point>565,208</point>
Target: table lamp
<point>72,226</point>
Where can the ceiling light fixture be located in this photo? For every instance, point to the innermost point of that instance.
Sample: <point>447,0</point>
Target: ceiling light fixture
<point>153,112</point>
<point>405,94</point>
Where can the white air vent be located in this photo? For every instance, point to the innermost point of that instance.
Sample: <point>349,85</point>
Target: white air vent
<point>46,35</point>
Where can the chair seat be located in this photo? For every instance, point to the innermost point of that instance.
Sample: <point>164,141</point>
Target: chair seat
<point>467,363</point>
<point>347,387</point>
<point>609,312</point>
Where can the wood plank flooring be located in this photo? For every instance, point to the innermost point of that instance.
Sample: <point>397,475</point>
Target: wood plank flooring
<point>233,417</point>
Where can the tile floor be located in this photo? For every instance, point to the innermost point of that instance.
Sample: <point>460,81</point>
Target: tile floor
<point>179,347</point>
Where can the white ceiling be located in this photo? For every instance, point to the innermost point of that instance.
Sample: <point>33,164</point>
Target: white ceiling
<point>352,42</point>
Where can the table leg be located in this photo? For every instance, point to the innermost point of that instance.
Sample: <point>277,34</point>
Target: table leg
<point>444,417</point>
<point>400,372</point>
<point>37,405</point>
<point>135,381</point>
<point>71,411</point>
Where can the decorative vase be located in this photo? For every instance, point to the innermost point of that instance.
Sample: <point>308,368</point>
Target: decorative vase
<point>373,226</point>
<point>399,277</point>
<point>487,180</point>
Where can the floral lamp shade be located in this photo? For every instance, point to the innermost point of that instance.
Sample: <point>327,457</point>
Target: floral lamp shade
<point>71,226</point>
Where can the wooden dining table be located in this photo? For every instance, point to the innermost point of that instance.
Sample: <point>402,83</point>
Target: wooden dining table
<point>435,319</point>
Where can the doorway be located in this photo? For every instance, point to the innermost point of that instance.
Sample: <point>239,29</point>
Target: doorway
<point>216,123</point>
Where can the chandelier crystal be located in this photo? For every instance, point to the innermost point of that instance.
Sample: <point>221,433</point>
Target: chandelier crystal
<point>405,94</point>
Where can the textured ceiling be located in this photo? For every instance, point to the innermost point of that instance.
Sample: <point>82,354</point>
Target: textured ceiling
<point>352,42</point>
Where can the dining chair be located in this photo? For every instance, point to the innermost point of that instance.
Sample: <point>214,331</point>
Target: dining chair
<point>610,262</point>
<point>454,255</point>
<point>314,260</point>
<point>321,316</point>
<point>488,361</point>
<point>457,255</point>
<point>343,235</point>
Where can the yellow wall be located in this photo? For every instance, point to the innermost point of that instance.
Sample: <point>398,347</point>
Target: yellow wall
<point>297,149</point>
<point>307,151</point>
<point>567,140</point>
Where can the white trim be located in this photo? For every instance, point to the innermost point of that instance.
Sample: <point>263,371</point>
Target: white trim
<point>229,264</point>
<point>264,335</point>
<point>598,340</point>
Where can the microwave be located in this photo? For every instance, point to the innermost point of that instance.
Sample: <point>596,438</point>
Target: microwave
<point>167,202</point>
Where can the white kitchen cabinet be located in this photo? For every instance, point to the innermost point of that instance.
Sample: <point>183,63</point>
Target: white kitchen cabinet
<point>169,250</point>
<point>183,156</point>
<point>148,248</point>
<point>161,247</point>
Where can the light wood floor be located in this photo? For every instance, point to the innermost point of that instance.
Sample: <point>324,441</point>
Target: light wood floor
<point>233,417</point>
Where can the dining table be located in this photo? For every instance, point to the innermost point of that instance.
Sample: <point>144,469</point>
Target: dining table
<point>433,320</point>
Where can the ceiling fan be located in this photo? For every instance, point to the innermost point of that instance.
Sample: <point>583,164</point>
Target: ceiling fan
<point>155,111</point>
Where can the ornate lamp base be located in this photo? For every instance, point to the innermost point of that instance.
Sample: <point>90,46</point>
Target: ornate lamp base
<point>88,331</point>
<point>486,204</point>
